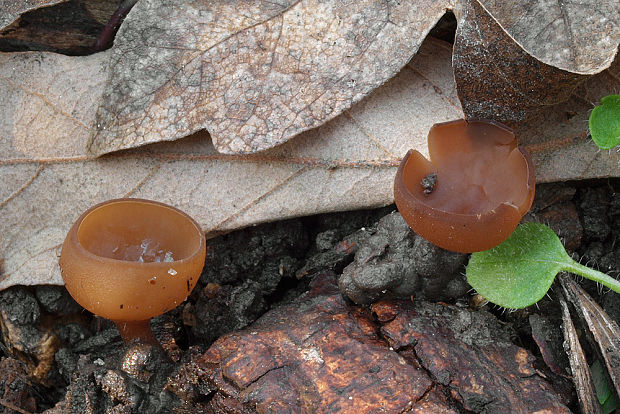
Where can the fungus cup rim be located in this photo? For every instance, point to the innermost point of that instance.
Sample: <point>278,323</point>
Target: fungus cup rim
<point>531,173</point>
<point>73,233</point>
<point>531,180</point>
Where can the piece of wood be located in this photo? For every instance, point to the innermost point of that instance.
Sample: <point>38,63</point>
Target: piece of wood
<point>579,366</point>
<point>320,354</point>
<point>604,329</point>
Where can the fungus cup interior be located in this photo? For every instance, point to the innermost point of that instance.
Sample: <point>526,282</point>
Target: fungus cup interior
<point>129,260</point>
<point>474,190</point>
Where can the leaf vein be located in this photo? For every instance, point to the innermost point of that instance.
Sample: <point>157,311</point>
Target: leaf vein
<point>23,187</point>
<point>46,101</point>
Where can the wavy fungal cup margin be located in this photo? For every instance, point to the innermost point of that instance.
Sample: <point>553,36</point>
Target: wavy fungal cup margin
<point>474,190</point>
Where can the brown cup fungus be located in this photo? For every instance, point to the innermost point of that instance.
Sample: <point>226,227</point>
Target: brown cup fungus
<point>129,260</point>
<point>474,190</point>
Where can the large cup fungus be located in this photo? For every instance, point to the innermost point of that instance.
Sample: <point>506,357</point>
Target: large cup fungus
<point>129,260</point>
<point>474,190</point>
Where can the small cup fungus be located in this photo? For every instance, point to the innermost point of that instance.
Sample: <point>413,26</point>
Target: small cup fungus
<point>474,190</point>
<point>129,260</point>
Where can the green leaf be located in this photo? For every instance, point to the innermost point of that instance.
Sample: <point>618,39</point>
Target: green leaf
<point>605,122</point>
<point>518,272</point>
<point>606,397</point>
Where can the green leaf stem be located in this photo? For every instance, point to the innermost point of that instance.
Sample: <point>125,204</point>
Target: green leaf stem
<point>519,272</point>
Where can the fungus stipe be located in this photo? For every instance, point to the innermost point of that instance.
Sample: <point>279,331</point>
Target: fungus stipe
<point>116,262</point>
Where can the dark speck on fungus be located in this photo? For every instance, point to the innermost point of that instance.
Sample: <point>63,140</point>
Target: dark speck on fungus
<point>428,183</point>
<point>474,190</point>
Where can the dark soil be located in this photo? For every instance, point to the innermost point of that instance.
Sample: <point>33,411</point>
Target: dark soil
<point>54,353</point>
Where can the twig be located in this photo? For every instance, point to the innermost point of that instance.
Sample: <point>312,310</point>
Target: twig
<point>105,38</point>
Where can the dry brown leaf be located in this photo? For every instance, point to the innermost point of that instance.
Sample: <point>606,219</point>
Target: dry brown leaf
<point>10,10</point>
<point>604,330</point>
<point>558,137</point>
<point>48,103</point>
<point>580,37</point>
<point>513,58</point>
<point>345,164</point>
<point>254,74</point>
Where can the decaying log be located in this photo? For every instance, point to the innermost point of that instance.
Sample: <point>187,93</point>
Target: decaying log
<point>322,355</point>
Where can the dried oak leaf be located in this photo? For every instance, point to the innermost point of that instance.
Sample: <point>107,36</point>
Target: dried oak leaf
<point>514,58</point>
<point>254,74</point>
<point>345,164</point>
<point>580,37</point>
<point>558,136</point>
<point>48,102</point>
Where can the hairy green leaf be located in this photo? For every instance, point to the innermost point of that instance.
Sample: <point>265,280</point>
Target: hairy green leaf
<point>605,122</point>
<point>518,272</point>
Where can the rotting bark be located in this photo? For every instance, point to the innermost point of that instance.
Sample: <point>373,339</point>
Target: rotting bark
<point>324,355</point>
<point>15,390</point>
<point>604,330</point>
<point>471,353</point>
<point>579,366</point>
<point>318,355</point>
<point>76,27</point>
